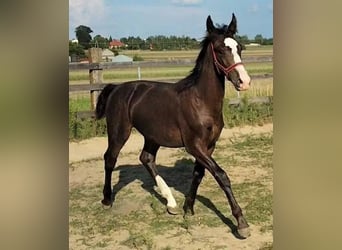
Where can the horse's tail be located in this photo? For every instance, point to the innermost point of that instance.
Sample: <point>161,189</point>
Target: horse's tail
<point>102,100</point>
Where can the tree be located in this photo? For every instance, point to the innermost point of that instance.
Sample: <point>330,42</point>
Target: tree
<point>259,39</point>
<point>76,50</point>
<point>100,42</point>
<point>268,41</point>
<point>83,36</point>
<point>160,43</point>
<point>242,39</point>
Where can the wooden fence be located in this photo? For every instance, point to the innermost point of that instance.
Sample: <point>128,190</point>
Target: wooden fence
<point>96,85</point>
<point>99,86</point>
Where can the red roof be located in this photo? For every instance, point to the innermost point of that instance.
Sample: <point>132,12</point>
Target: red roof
<point>116,43</point>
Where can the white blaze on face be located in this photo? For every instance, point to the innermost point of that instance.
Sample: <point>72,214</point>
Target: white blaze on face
<point>166,192</point>
<point>231,43</point>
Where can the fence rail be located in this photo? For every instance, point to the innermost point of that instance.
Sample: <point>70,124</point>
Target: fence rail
<point>180,62</point>
<point>232,102</point>
<point>95,67</point>
<point>100,86</point>
<point>87,87</point>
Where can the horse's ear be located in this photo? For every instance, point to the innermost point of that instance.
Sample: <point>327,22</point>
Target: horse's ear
<point>232,26</point>
<point>210,25</point>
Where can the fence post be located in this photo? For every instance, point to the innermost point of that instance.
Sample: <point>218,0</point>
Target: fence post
<point>139,73</point>
<point>95,72</point>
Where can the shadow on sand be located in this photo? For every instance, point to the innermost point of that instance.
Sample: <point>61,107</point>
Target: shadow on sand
<point>179,177</point>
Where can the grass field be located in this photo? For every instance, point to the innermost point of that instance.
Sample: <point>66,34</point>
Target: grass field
<point>246,114</point>
<point>259,87</point>
<point>191,54</point>
<point>172,72</point>
<point>150,73</point>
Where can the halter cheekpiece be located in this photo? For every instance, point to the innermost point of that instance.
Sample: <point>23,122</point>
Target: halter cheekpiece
<point>219,66</point>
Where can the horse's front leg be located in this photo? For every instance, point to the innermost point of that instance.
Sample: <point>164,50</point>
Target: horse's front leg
<point>198,174</point>
<point>203,157</point>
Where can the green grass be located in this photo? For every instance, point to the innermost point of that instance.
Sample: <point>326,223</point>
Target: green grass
<point>83,128</point>
<point>246,114</point>
<point>191,54</point>
<point>172,72</point>
<point>79,103</point>
<point>259,68</point>
<point>259,87</point>
<point>137,240</point>
<point>147,73</point>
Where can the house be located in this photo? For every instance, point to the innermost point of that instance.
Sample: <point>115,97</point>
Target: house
<point>107,55</point>
<point>116,44</point>
<point>253,44</point>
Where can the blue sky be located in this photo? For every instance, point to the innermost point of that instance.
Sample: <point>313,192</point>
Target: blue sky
<point>146,18</point>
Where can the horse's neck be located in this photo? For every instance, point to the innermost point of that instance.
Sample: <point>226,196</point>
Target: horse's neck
<point>210,86</point>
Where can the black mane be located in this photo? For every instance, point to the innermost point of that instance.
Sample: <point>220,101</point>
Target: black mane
<point>191,79</point>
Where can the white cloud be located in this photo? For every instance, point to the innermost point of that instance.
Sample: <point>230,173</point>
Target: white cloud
<point>254,8</point>
<point>187,2</point>
<point>85,12</point>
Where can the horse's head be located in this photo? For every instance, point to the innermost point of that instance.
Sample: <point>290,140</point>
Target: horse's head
<point>227,53</point>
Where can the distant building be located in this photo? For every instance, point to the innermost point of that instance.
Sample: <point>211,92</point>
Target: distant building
<point>107,55</point>
<point>116,44</point>
<point>253,44</point>
<point>74,40</point>
<point>122,59</point>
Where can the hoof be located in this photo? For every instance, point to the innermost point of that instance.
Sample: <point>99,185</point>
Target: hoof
<point>188,211</point>
<point>106,204</point>
<point>244,232</point>
<point>172,210</point>
<point>188,214</point>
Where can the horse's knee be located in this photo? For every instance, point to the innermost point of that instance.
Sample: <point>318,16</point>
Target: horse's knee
<point>198,176</point>
<point>146,158</point>
<point>110,159</point>
<point>198,172</point>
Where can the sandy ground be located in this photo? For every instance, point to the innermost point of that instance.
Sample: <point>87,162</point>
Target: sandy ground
<point>201,237</point>
<point>95,147</point>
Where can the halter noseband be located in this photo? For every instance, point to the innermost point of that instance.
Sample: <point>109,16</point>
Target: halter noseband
<point>219,66</point>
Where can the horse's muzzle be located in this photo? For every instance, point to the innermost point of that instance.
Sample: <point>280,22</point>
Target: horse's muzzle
<point>244,86</point>
<point>240,85</point>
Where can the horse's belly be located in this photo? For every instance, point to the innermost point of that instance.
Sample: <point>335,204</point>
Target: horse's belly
<point>162,135</point>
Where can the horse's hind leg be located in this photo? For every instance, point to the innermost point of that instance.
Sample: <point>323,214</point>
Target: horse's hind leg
<point>118,133</point>
<point>198,174</point>
<point>148,157</point>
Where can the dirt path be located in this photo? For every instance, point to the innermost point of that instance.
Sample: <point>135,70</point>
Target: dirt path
<point>95,147</point>
<point>133,201</point>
